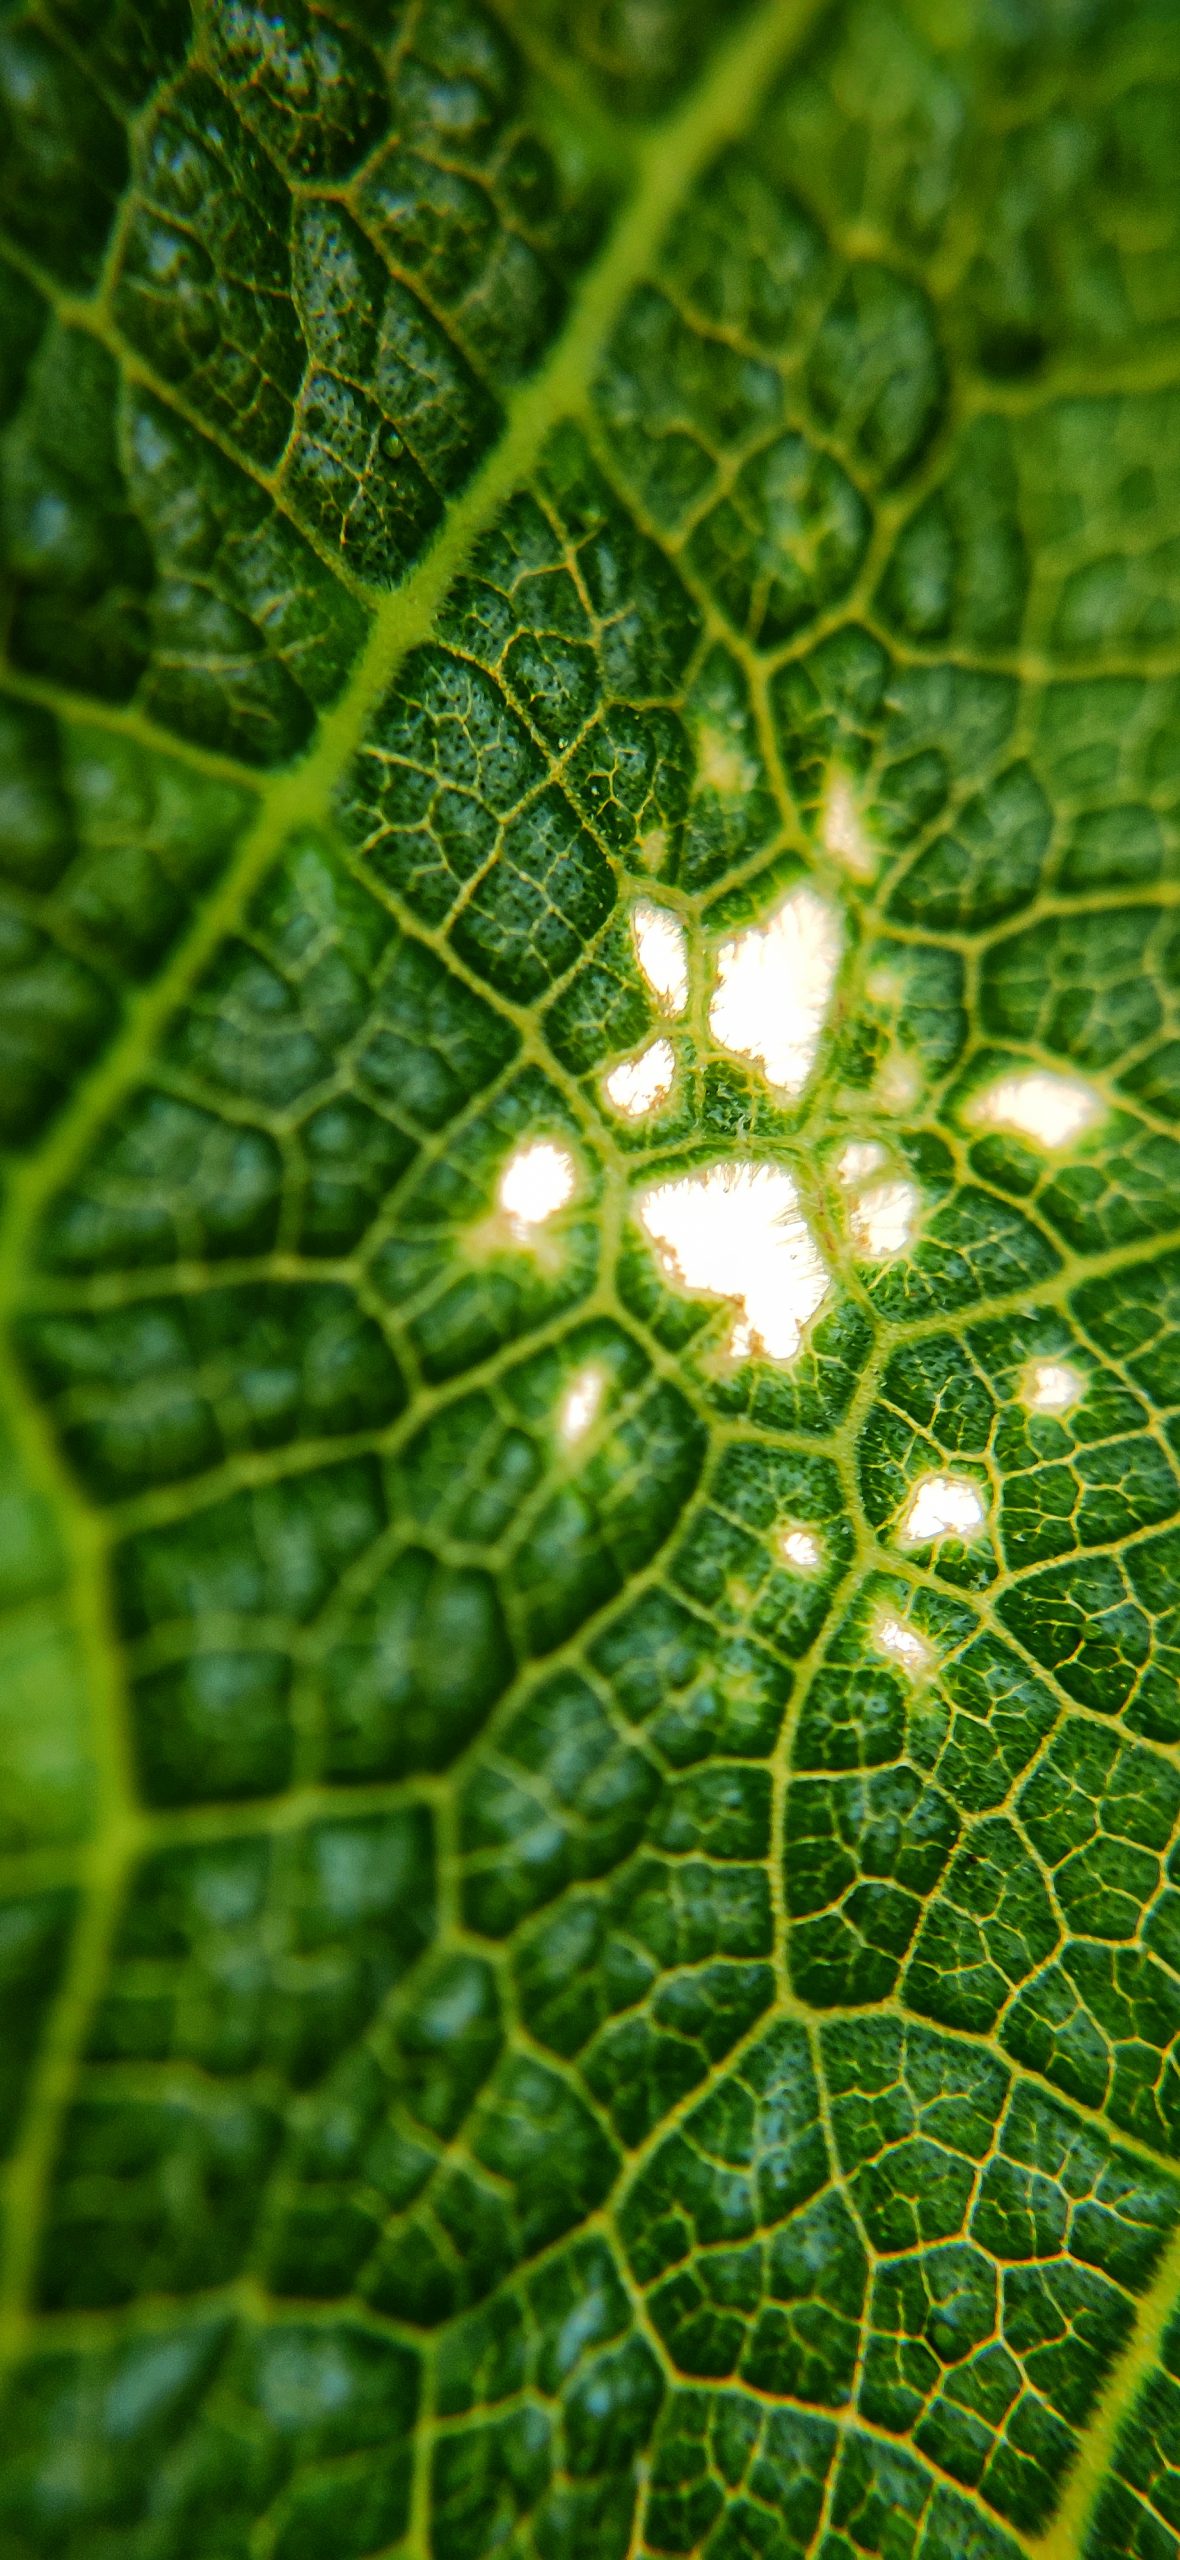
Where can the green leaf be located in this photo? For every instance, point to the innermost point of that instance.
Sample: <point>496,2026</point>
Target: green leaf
<point>589,1401</point>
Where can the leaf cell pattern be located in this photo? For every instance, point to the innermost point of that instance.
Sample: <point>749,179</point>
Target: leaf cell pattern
<point>590,1929</point>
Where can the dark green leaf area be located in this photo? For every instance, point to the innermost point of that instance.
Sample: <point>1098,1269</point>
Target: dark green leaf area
<point>562,2346</point>
<point>306,79</point>
<point>535,2163</point>
<point>974,1247</point>
<point>960,571</point>
<point>767,2475</point>
<point>990,865</point>
<point>482,198</point>
<point>731,1561</point>
<point>345,344</point>
<point>64,154</point>
<point>741,2280</point>
<point>640,59</point>
<point>105,851</point>
<point>1131,1320</point>
<point>923,742</point>
<point>212,2425</point>
<point>868,1827</point>
<point>261,1954</point>
<point>1102,2020</point>
<point>567,625</point>
<point>645,1834</point>
<point>34,1939</point>
<point>541,887</point>
<point>1003,2237</point>
<point>162,574</point>
<point>680,395</point>
<point>991,1925</point>
<point>209,226</point>
<point>171,1387</point>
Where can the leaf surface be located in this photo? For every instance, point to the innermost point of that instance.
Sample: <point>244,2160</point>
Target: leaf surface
<point>589,1526</point>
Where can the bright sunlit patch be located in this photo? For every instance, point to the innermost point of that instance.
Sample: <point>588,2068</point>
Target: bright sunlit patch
<point>662,952</point>
<point>902,1644</point>
<point>883,1220</point>
<point>536,1182</point>
<point>1050,1109</point>
<point>639,1083</point>
<point>843,831</point>
<point>801,1549</point>
<point>737,1232</point>
<point>1051,1386</point>
<point>581,1403</point>
<point>774,986</point>
<point>942,1507</point>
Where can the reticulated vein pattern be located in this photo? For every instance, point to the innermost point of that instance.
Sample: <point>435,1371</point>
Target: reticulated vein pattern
<point>590,1245</point>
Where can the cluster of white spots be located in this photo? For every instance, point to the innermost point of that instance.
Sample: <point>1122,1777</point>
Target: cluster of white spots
<point>537,1180</point>
<point>774,986</point>
<point>1053,1110</point>
<point>882,1215</point>
<point>638,1084</point>
<point>581,1403</point>
<point>736,1231</point>
<point>942,1507</point>
<point>842,829</point>
<point>801,1549</point>
<point>1051,1386</point>
<point>662,952</point>
<point>902,1644</point>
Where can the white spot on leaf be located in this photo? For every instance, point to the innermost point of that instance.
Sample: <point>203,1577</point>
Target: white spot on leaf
<point>902,1644</point>
<point>801,1549</point>
<point>898,1085</point>
<point>737,1232</point>
<point>843,831</point>
<point>942,1507</point>
<point>1051,1386</point>
<point>883,1221</point>
<point>1050,1109</point>
<point>639,1083</point>
<point>581,1403</point>
<point>721,764</point>
<point>774,986</point>
<point>856,1161</point>
<point>536,1182</point>
<point>662,952</point>
<point>882,1215</point>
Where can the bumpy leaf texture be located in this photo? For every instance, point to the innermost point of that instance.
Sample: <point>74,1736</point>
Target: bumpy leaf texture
<point>589,1524</point>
